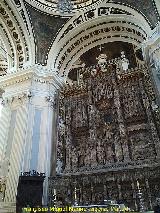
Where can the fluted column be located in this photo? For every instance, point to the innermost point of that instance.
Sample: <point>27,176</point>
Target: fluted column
<point>4,129</point>
<point>29,100</point>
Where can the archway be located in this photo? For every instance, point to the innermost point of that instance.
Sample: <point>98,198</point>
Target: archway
<point>107,23</point>
<point>15,37</point>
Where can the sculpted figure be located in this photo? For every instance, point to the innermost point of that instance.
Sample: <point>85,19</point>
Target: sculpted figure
<point>93,157</point>
<point>68,157</point>
<point>94,72</point>
<point>81,156</point>
<point>59,166</point>
<point>87,157</point>
<point>100,154</point>
<point>102,60</point>
<point>109,154</point>
<point>124,61</point>
<point>74,158</point>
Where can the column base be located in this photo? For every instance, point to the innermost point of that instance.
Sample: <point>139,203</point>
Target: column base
<point>6,207</point>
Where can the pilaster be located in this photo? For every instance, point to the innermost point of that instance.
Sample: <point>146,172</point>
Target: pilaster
<point>27,124</point>
<point>151,49</point>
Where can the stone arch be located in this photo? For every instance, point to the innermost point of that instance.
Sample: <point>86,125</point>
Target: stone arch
<point>15,37</point>
<point>80,34</point>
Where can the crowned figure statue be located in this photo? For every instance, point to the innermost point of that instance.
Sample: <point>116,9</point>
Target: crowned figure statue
<point>124,61</point>
<point>102,60</point>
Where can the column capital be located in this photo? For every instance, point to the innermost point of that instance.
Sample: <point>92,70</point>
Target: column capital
<point>34,81</point>
<point>38,73</point>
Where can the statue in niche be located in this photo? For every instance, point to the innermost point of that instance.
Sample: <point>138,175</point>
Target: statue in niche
<point>100,153</point>
<point>81,160</point>
<point>94,72</point>
<point>92,134</point>
<point>124,62</point>
<point>87,157</point>
<point>107,133</point>
<point>122,129</point>
<point>61,126</point>
<point>80,82</point>
<point>78,116</point>
<point>84,114</point>
<point>109,154</point>
<point>81,155</point>
<point>91,109</point>
<point>102,60</point>
<point>59,166</point>
<point>93,157</point>
<point>68,157</point>
<point>74,158</point>
<point>138,142</point>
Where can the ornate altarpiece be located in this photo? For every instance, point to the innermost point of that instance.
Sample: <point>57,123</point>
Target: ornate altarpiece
<point>108,137</point>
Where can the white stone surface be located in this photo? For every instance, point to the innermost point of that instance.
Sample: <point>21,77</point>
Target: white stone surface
<point>26,92</point>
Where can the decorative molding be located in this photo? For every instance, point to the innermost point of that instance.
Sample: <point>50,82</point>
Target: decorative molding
<point>51,7</point>
<point>15,33</point>
<point>36,72</point>
<point>94,27</point>
<point>102,32</point>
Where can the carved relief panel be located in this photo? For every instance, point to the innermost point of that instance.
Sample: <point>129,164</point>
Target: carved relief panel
<point>107,119</point>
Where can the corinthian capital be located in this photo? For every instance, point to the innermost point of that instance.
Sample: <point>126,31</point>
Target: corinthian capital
<point>18,98</point>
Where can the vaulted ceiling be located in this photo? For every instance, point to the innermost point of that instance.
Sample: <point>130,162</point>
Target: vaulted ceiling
<point>41,33</point>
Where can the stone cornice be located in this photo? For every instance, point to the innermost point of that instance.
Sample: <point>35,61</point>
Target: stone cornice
<point>14,78</point>
<point>36,73</point>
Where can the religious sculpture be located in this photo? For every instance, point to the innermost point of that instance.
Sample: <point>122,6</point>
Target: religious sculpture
<point>124,62</point>
<point>102,60</point>
<point>93,157</point>
<point>108,126</point>
<point>100,153</point>
<point>59,166</point>
<point>74,158</point>
<point>87,159</point>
